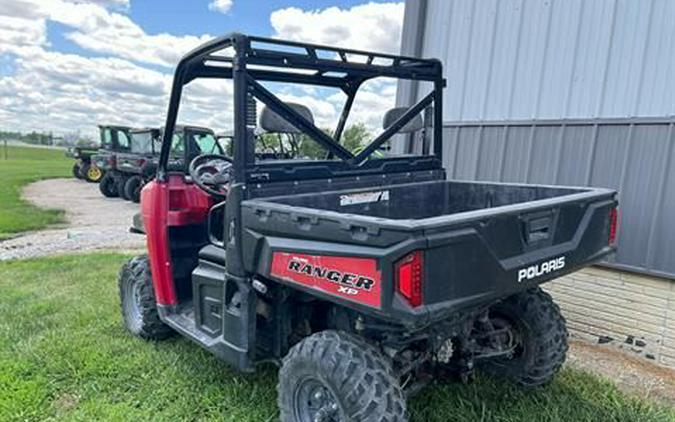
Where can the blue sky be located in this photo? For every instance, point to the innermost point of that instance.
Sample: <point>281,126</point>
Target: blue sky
<point>66,65</point>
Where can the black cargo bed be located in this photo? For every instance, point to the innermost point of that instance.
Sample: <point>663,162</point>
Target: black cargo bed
<point>421,204</point>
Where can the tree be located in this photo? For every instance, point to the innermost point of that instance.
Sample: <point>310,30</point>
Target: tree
<point>355,137</point>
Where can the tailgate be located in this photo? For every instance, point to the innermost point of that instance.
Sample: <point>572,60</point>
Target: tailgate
<point>494,253</point>
<point>130,163</point>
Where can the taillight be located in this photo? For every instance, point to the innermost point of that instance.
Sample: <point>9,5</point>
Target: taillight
<point>409,278</point>
<point>140,162</point>
<point>613,225</point>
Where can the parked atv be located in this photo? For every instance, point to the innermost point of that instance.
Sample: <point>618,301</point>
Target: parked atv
<point>132,165</point>
<point>139,170</point>
<point>114,140</point>
<point>362,276</point>
<point>84,168</point>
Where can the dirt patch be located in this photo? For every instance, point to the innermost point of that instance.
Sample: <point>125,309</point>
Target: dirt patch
<point>631,374</point>
<point>93,222</point>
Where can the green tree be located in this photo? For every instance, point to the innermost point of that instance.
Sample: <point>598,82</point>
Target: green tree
<point>355,137</point>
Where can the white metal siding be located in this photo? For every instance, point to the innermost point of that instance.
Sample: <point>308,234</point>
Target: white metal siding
<point>553,59</point>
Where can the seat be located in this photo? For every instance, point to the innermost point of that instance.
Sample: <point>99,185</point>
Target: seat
<point>392,115</point>
<point>212,253</point>
<point>270,121</point>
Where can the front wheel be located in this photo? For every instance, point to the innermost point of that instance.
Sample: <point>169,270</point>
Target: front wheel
<point>540,336</point>
<point>137,300</point>
<point>108,185</point>
<point>335,376</point>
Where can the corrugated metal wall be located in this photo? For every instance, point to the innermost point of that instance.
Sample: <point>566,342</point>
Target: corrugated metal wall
<point>567,92</point>
<point>637,159</point>
<point>553,59</point>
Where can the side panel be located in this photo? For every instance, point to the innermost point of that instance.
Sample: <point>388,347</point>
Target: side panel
<point>163,205</point>
<point>155,209</point>
<point>351,278</point>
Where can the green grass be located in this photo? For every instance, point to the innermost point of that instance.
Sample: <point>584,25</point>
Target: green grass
<point>64,355</point>
<point>25,165</point>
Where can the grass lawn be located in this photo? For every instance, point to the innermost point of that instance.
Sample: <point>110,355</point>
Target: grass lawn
<point>64,355</point>
<point>25,165</point>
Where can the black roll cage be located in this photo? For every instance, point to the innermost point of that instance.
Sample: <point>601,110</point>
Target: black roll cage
<point>302,63</point>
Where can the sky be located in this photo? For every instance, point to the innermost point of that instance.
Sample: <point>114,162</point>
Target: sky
<point>68,65</point>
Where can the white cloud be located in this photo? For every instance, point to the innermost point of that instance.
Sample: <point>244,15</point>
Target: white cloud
<point>371,26</point>
<point>222,6</point>
<point>52,91</point>
<point>94,28</point>
<point>17,33</point>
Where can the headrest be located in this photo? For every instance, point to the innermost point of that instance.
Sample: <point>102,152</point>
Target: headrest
<point>392,115</point>
<point>272,122</point>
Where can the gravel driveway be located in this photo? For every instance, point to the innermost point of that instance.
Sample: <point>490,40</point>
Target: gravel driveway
<point>93,222</point>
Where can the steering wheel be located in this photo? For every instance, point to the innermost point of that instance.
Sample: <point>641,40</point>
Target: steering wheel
<point>211,172</point>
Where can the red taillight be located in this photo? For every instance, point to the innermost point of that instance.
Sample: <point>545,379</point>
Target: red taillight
<point>613,225</point>
<point>140,162</point>
<point>409,278</point>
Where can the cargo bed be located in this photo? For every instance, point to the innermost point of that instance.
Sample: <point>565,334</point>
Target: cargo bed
<point>481,241</point>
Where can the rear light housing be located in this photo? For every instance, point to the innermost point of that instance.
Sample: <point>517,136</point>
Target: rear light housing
<point>613,225</point>
<point>409,277</point>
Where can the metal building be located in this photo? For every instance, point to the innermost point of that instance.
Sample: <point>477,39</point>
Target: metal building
<point>572,92</point>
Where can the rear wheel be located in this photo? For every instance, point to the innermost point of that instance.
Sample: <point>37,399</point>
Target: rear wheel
<point>132,188</point>
<point>121,180</point>
<point>335,376</point>
<point>76,171</point>
<point>92,173</point>
<point>108,186</point>
<point>539,331</point>
<point>137,300</point>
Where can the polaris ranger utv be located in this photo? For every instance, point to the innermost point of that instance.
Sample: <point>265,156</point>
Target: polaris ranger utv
<point>137,164</point>
<point>114,139</point>
<point>130,168</point>
<point>362,276</point>
<point>187,143</point>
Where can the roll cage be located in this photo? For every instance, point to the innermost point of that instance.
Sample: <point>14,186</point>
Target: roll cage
<point>252,60</point>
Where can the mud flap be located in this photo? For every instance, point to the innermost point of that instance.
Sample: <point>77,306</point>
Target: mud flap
<point>239,323</point>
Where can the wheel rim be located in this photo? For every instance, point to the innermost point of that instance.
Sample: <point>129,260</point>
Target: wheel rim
<point>94,173</point>
<point>315,402</point>
<point>132,306</point>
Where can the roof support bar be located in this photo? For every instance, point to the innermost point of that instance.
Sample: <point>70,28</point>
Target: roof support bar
<point>298,120</point>
<point>393,129</point>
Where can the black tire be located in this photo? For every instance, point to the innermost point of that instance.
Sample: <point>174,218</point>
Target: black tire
<point>542,333</point>
<point>108,186</point>
<point>132,188</point>
<point>137,300</point>
<point>336,370</point>
<point>84,168</point>
<point>76,171</point>
<point>121,180</point>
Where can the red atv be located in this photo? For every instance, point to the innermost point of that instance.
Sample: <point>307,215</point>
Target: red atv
<point>362,274</point>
